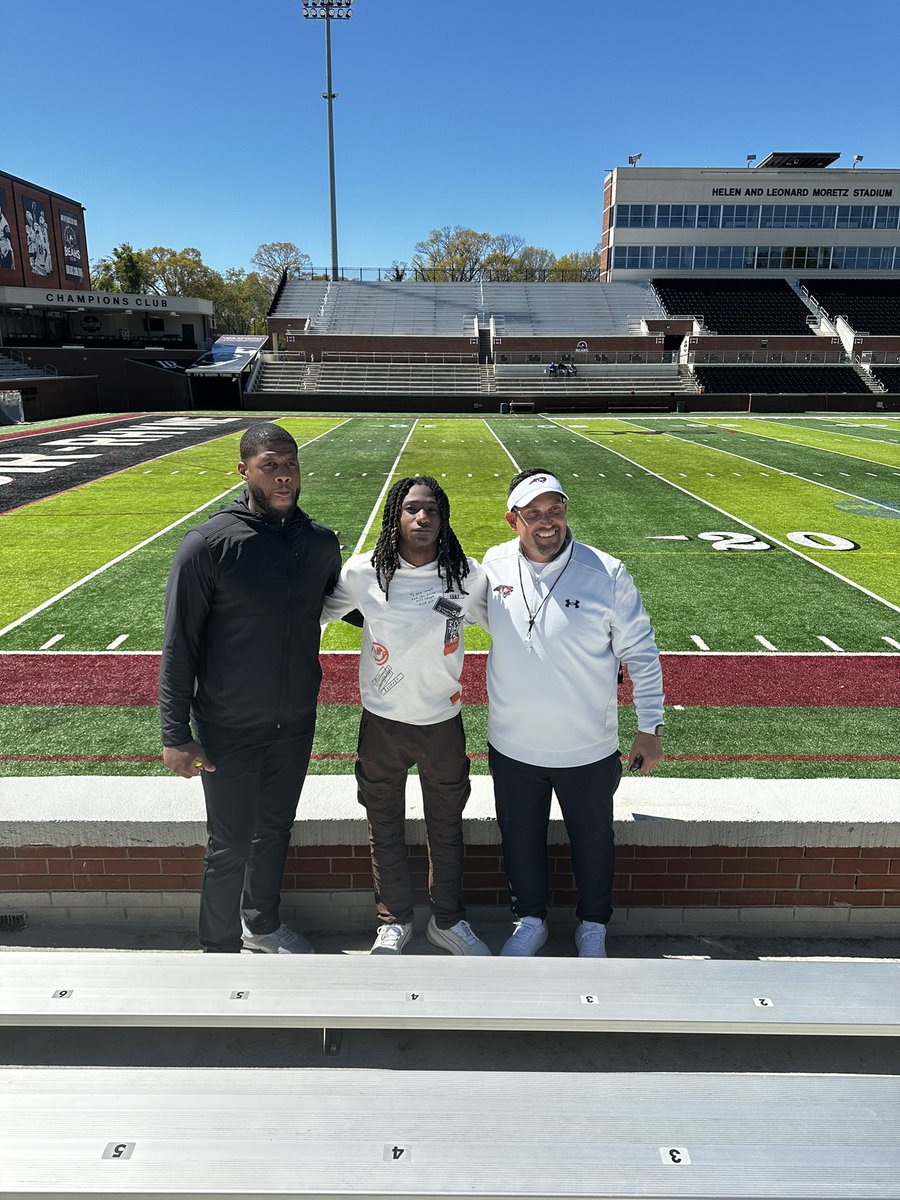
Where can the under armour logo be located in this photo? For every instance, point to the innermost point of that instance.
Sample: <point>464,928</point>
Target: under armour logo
<point>503,590</point>
<point>573,604</point>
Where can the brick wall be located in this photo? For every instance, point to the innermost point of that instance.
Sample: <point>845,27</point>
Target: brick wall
<point>647,876</point>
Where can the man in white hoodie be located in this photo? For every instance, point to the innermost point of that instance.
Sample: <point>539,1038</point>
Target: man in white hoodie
<point>562,616</point>
<point>414,593</point>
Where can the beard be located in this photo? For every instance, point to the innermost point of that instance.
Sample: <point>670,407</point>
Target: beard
<point>263,505</point>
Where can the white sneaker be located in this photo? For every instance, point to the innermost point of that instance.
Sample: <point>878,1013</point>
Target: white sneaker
<point>528,935</point>
<point>280,941</point>
<point>391,939</point>
<point>458,939</point>
<point>590,938</point>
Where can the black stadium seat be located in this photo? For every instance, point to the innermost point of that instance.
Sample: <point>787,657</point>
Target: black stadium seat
<point>889,377</point>
<point>773,380</point>
<point>870,305</point>
<point>737,306</point>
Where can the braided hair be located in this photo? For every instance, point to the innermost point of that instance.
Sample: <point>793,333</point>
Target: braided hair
<point>452,564</point>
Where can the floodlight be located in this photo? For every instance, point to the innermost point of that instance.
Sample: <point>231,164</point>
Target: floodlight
<point>633,159</point>
<point>341,11</point>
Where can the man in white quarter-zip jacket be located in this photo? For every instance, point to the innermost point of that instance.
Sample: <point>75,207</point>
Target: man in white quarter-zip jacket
<point>562,617</point>
<point>415,593</point>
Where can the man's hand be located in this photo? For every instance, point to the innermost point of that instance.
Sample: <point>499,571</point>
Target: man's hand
<point>187,760</point>
<point>646,753</point>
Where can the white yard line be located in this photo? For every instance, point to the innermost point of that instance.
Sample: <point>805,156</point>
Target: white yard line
<point>762,533</point>
<point>140,546</point>
<point>376,511</point>
<point>791,474</point>
<point>505,449</point>
<point>832,645</point>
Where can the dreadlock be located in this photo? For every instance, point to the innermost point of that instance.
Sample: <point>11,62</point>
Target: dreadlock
<point>452,564</point>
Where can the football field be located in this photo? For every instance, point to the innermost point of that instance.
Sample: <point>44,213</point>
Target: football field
<point>767,552</point>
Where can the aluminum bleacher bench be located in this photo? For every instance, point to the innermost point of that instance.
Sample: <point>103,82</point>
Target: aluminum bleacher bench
<point>374,1134</point>
<point>336,992</point>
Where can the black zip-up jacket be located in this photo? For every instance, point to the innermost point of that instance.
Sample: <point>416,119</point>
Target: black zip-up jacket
<point>243,607</point>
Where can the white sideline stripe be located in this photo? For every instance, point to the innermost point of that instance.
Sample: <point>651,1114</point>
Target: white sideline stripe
<point>762,533</point>
<point>764,642</point>
<point>892,642</point>
<point>57,637</point>
<point>378,503</point>
<point>829,642</point>
<point>699,642</point>
<point>146,542</point>
<point>483,653</point>
<point>504,448</point>
<point>117,642</point>
<point>792,474</point>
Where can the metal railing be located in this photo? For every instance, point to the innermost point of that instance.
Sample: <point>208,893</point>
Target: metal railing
<point>415,274</point>
<point>424,359</point>
<point>779,358</point>
<point>635,358</point>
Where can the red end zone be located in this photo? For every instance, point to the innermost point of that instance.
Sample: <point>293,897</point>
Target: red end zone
<point>779,680</point>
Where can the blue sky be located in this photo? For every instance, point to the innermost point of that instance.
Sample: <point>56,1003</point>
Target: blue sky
<point>193,123</point>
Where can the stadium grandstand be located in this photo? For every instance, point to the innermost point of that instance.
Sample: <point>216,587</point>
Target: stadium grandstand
<point>776,288</point>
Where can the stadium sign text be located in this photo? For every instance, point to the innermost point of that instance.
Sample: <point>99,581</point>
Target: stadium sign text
<point>111,299</point>
<point>859,192</point>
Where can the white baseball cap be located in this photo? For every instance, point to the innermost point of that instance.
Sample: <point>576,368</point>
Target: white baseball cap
<point>534,485</point>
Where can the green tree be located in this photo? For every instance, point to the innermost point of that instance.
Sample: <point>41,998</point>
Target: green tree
<point>243,302</point>
<point>452,253</point>
<point>578,266</point>
<point>183,273</point>
<point>273,258</point>
<point>123,270</point>
<point>535,263</point>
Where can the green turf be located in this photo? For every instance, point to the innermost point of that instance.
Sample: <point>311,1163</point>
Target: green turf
<point>846,477</point>
<point>875,431</point>
<point>730,732</point>
<point>53,543</point>
<point>886,454</point>
<point>773,504</point>
<point>723,597</point>
<point>128,598</point>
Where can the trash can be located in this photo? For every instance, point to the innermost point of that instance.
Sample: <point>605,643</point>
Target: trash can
<point>504,406</point>
<point>681,406</point>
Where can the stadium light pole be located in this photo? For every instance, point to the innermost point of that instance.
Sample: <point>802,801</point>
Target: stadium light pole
<point>341,11</point>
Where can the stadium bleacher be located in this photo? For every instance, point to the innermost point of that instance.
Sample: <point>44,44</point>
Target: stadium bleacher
<point>480,339</point>
<point>870,305</point>
<point>780,379</point>
<point>653,380</point>
<point>737,306</point>
<point>446,309</point>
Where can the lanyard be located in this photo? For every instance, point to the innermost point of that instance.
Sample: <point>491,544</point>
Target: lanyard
<point>533,616</point>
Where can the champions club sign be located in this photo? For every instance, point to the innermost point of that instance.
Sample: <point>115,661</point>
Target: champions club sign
<point>107,300</point>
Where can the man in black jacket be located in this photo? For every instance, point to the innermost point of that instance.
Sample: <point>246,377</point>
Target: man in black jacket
<point>241,656</point>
